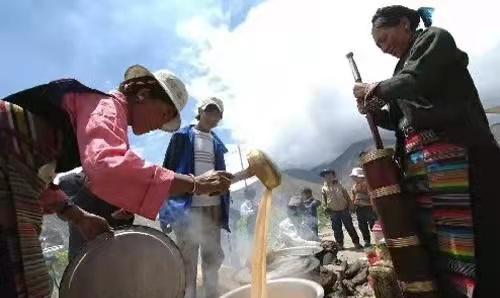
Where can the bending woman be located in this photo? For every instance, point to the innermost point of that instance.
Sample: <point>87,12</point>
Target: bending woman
<point>63,124</point>
<point>448,156</point>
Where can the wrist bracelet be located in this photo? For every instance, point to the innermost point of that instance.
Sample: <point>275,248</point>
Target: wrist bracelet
<point>193,191</point>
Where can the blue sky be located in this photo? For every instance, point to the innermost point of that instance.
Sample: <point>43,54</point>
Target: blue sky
<point>95,41</point>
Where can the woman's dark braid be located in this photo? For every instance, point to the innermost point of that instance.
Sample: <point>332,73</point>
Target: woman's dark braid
<point>132,86</point>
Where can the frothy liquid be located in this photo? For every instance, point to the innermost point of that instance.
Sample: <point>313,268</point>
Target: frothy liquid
<point>259,249</point>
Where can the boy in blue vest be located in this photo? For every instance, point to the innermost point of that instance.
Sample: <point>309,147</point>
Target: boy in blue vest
<point>197,219</point>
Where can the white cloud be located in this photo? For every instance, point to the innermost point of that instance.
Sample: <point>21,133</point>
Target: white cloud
<point>284,76</point>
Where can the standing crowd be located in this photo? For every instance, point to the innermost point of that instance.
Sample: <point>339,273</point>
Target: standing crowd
<point>339,205</point>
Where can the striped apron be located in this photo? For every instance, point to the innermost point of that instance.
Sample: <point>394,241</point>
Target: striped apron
<point>27,152</point>
<point>437,174</point>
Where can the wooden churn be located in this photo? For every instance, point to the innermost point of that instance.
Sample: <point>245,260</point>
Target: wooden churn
<point>410,259</point>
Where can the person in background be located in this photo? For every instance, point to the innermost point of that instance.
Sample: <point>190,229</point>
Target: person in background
<point>295,212</point>
<point>75,186</point>
<point>449,159</point>
<point>197,220</point>
<point>364,212</point>
<point>338,205</point>
<point>58,126</point>
<point>310,208</point>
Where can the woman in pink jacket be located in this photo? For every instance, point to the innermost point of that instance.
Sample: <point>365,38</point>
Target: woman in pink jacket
<point>61,125</point>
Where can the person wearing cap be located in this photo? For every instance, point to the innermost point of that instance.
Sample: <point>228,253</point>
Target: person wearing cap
<point>338,205</point>
<point>197,220</point>
<point>58,126</point>
<point>363,206</point>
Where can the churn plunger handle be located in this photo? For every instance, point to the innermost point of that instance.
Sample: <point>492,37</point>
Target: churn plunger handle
<point>369,116</point>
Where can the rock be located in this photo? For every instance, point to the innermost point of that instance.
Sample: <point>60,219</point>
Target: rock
<point>329,258</point>
<point>353,269</point>
<point>330,246</point>
<point>327,279</point>
<point>384,282</point>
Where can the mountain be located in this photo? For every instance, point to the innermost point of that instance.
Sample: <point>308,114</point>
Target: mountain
<point>343,164</point>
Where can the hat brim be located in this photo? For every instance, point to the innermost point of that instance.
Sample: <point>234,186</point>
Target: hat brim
<point>139,71</point>
<point>203,107</point>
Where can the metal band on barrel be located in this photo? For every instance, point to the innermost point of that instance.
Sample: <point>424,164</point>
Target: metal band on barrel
<point>418,286</point>
<point>385,191</point>
<point>402,241</point>
<point>376,154</point>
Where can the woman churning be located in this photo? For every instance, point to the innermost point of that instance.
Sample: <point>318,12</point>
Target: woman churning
<point>448,156</point>
<point>63,124</point>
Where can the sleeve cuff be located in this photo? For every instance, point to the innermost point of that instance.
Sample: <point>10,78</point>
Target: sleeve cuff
<point>157,194</point>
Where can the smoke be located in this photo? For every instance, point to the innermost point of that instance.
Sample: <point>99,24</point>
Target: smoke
<point>286,82</point>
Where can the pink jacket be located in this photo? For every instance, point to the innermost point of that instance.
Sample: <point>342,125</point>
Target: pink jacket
<point>117,174</point>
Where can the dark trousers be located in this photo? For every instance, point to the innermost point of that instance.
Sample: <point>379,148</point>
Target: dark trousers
<point>366,220</point>
<point>343,217</point>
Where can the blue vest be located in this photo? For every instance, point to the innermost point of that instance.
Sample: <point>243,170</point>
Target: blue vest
<point>180,159</point>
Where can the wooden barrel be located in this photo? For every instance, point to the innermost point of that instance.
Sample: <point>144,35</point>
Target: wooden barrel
<point>396,211</point>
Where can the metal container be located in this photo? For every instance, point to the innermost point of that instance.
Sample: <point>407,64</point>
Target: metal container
<point>283,287</point>
<point>137,262</point>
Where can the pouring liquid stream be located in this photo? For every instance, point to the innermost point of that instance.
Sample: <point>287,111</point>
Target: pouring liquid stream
<point>259,249</point>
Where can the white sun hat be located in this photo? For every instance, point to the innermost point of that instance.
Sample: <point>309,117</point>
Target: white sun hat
<point>357,172</point>
<point>172,85</point>
<point>204,103</point>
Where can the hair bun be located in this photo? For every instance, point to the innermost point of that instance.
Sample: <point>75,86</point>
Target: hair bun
<point>425,14</point>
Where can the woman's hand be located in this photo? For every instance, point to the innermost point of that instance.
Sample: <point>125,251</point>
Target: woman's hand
<point>91,226</point>
<point>364,91</point>
<point>361,106</point>
<point>360,90</point>
<point>213,182</point>
<point>122,214</point>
